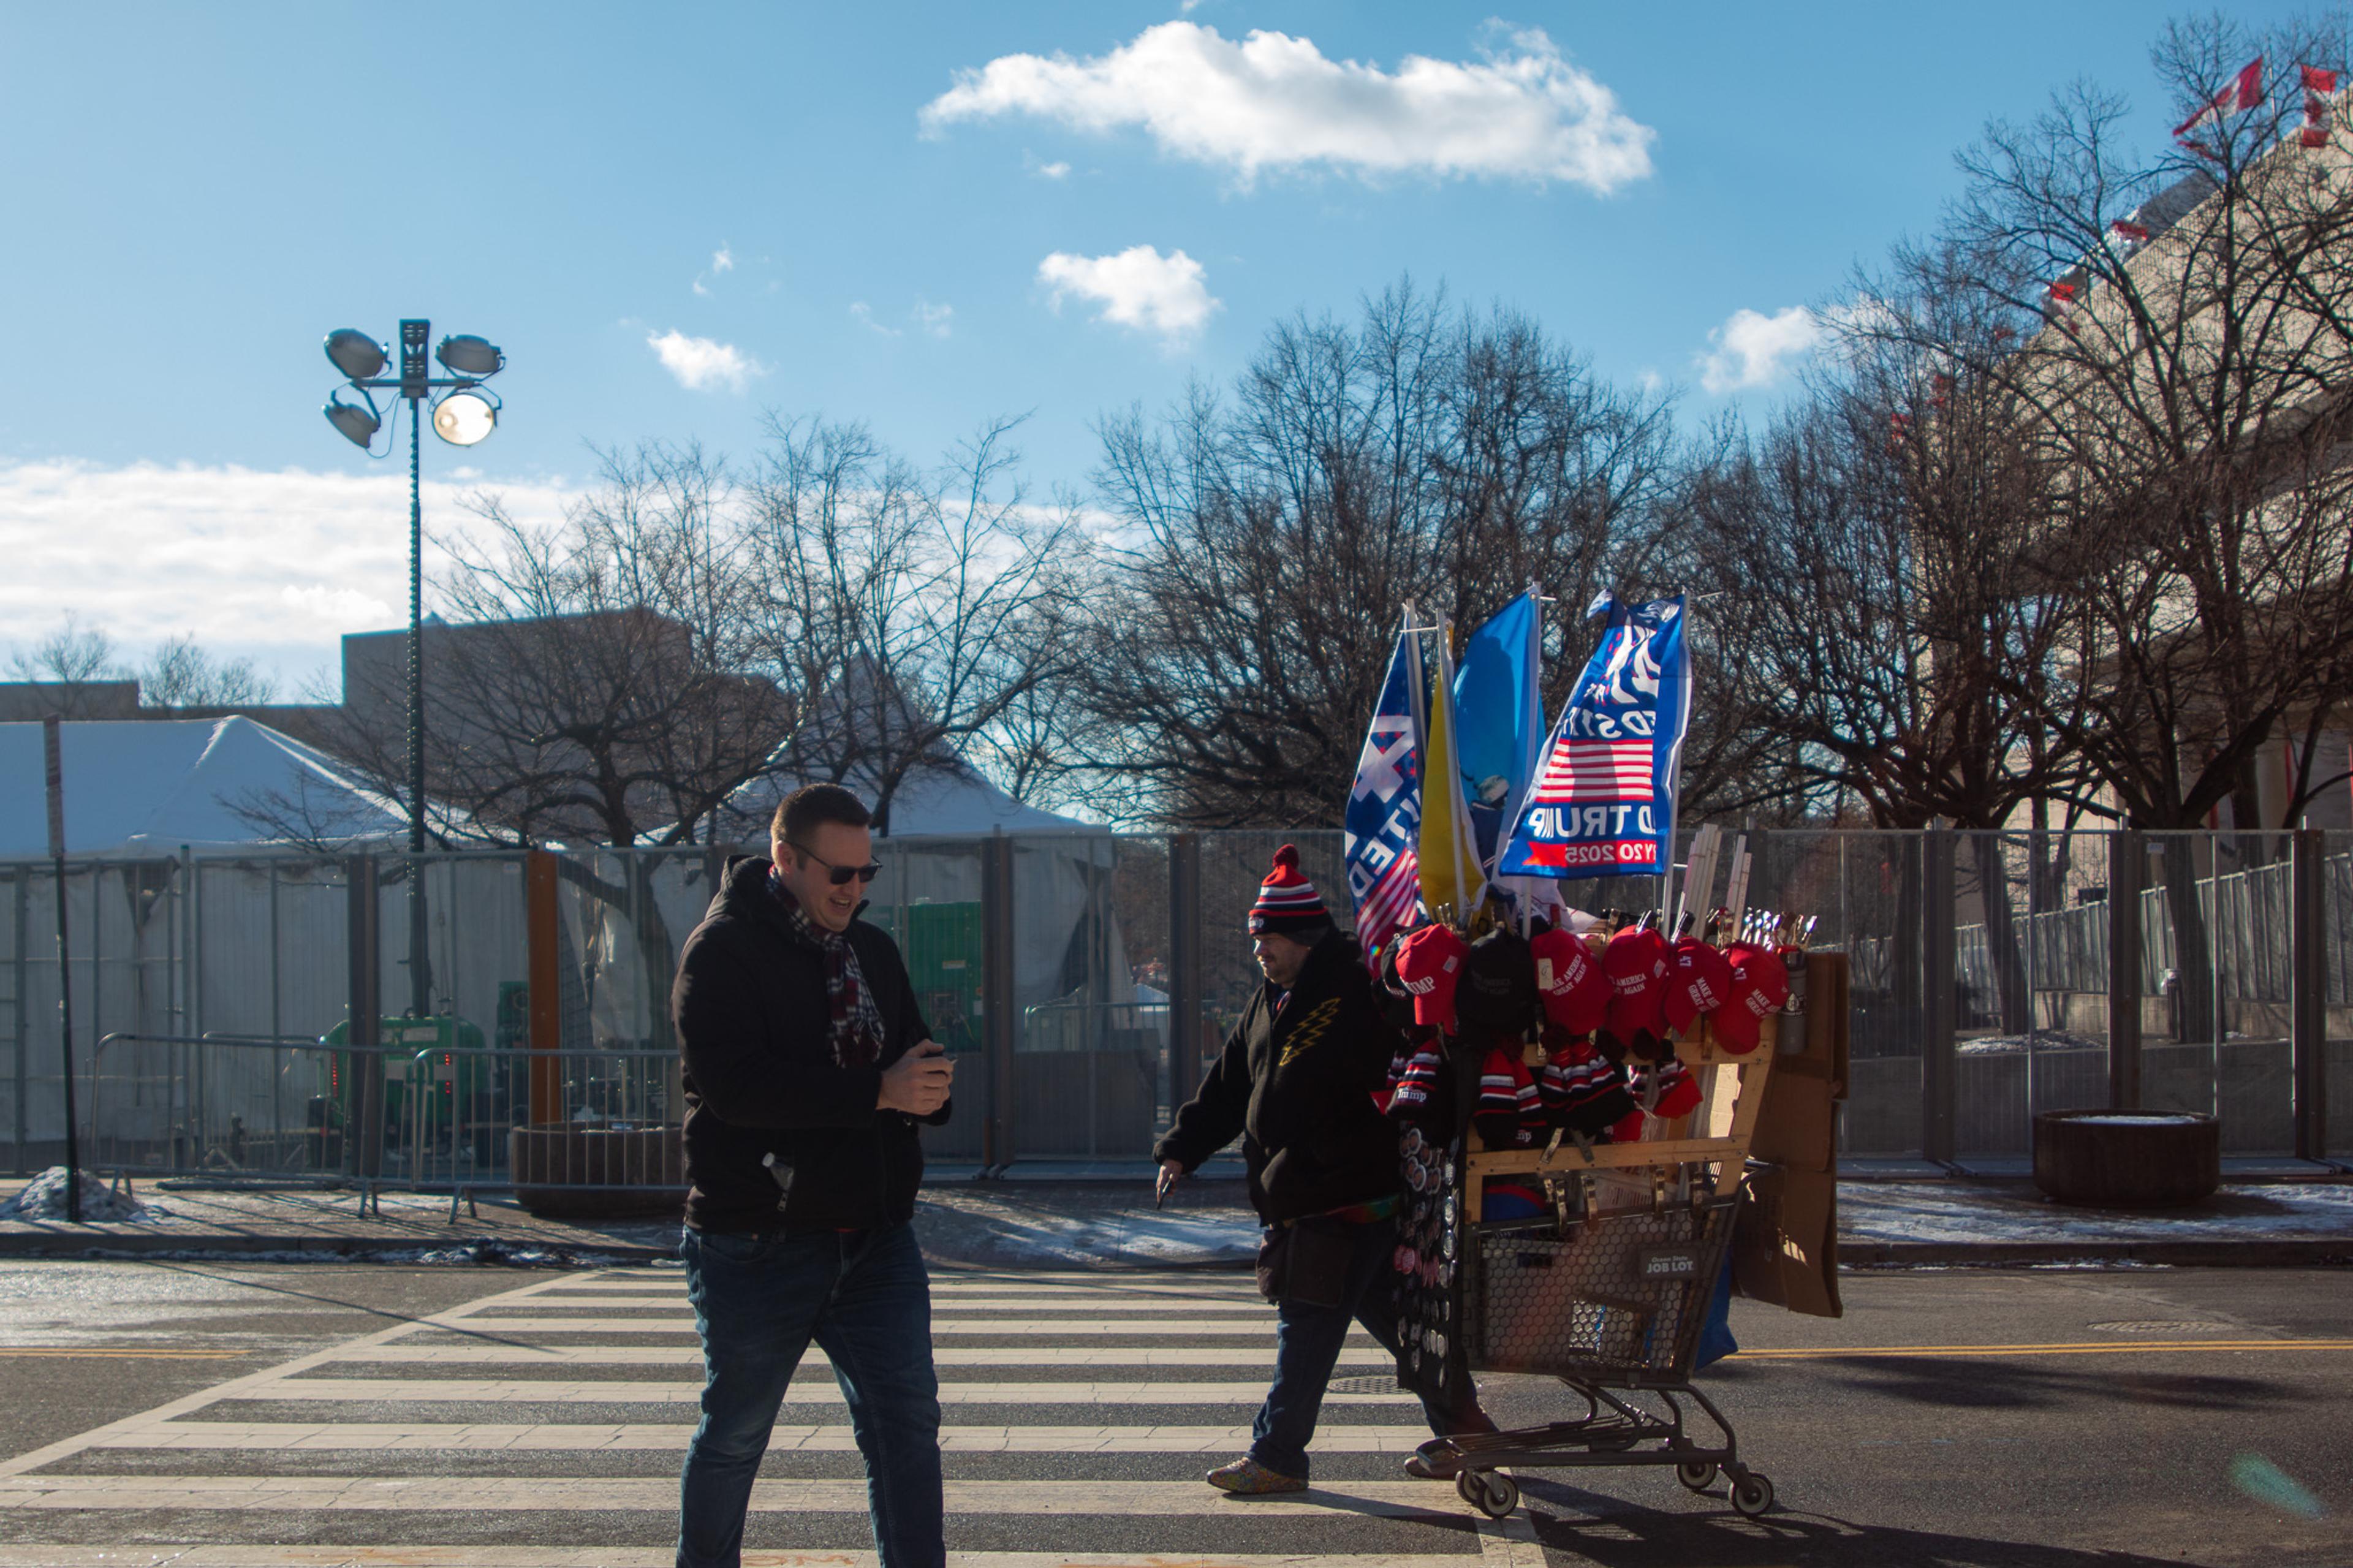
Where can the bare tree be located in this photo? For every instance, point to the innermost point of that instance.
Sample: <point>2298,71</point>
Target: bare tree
<point>66,662</point>
<point>1267,540</point>
<point>917,617</point>
<point>2184,348</point>
<point>182,678</point>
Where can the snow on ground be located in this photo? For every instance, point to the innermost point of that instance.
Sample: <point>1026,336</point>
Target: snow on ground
<point>1012,1227</point>
<point>1966,1211</point>
<point>44,1198</point>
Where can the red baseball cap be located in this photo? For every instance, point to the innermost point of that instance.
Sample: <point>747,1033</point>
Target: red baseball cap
<point>1760,984</point>
<point>1636,962</point>
<point>1570,981</point>
<point>1429,964</point>
<point>1699,983</point>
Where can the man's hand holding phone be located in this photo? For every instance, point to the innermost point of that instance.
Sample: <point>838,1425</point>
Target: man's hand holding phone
<point>918,1082</point>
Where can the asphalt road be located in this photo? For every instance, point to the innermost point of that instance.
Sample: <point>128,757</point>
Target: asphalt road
<point>2044,1418</point>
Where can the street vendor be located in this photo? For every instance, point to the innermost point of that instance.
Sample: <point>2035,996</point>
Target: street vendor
<point>1297,1081</point>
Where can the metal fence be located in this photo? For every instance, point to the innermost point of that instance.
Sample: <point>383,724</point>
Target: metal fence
<point>1084,981</point>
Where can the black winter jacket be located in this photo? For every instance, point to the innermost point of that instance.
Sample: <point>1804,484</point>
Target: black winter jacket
<point>753,1029</point>
<point>1296,1081</point>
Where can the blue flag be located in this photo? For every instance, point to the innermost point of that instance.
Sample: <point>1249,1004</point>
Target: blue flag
<point>1384,816</point>
<point>1499,720</point>
<point>1604,802</point>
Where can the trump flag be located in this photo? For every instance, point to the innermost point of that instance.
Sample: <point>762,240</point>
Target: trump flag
<point>1604,799</point>
<point>1384,817</point>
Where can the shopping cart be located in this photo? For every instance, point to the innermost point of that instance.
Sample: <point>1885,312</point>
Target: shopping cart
<point>1609,1292</point>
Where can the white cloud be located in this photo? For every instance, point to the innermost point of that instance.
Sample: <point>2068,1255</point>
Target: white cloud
<point>723,260</point>
<point>1057,170</point>
<point>700,364</point>
<point>1138,288</point>
<point>271,566</point>
<point>934,319</point>
<point>1752,349</point>
<point>864,313</point>
<point>1274,101</point>
<point>338,607</point>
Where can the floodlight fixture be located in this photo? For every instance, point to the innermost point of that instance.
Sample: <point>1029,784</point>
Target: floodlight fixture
<point>467,354</point>
<point>358,425</point>
<point>356,355</point>
<point>465,417</point>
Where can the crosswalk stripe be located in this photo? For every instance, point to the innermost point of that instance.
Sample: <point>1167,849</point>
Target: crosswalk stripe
<point>258,1556</point>
<point>504,1494</point>
<point>557,1436</point>
<point>947,1304</point>
<point>804,1391</point>
<point>1068,1322</point>
<point>1257,1328</point>
<point>1353,1354</point>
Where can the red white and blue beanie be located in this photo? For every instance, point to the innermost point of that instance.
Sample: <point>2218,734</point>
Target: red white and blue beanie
<point>1288,904</point>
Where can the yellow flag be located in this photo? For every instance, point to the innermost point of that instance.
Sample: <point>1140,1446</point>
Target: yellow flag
<point>1449,853</point>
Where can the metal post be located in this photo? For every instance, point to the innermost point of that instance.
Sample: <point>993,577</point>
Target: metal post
<point>1939,1064</point>
<point>1183,965</point>
<point>22,883</point>
<point>414,373</point>
<point>2127,870</point>
<point>2308,1016</point>
<point>362,1033</point>
<point>52,750</point>
<point>1000,1022</point>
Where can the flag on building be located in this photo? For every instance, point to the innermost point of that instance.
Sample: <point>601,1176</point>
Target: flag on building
<point>1383,821</point>
<point>1452,876</point>
<point>2243,91</point>
<point>2319,87</point>
<point>1604,799</point>
<point>1498,727</point>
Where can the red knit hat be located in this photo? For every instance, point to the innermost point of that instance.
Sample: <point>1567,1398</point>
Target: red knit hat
<point>1288,904</point>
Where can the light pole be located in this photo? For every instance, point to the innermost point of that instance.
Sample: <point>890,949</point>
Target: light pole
<point>465,413</point>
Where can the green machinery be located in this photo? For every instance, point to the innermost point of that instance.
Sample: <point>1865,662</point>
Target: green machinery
<point>942,945</point>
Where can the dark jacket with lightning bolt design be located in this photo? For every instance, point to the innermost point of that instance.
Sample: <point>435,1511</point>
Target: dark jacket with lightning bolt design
<point>1296,1081</point>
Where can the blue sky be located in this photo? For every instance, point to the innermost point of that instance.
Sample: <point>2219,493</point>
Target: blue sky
<point>194,195</point>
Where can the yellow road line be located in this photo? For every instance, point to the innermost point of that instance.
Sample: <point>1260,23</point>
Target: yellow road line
<point>1830,1352</point>
<point>131,1351</point>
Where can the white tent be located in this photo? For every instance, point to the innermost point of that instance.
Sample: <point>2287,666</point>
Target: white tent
<point>148,786</point>
<point>949,802</point>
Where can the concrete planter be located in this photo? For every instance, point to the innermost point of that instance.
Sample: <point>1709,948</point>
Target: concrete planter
<point>566,1172</point>
<point>2124,1159</point>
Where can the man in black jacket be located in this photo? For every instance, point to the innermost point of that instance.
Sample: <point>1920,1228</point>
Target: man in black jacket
<point>1296,1082</point>
<point>807,1067</point>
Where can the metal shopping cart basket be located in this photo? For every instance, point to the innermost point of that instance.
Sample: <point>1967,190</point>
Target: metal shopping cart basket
<point>1608,1293</point>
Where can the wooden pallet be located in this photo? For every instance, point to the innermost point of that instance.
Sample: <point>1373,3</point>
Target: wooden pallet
<point>1731,1093</point>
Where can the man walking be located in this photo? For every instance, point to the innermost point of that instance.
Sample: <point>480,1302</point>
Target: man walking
<point>1296,1082</point>
<point>807,1067</point>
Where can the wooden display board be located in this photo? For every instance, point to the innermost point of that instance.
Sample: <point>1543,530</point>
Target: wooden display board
<point>1731,1093</point>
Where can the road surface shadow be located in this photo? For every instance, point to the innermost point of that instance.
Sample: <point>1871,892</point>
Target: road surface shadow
<point>1958,1382</point>
<point>1607,1532</point>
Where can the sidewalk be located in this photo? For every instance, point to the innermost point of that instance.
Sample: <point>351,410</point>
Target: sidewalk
<point>1051,1217</point>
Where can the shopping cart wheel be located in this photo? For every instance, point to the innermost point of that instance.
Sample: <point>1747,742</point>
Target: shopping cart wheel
<point>1498,1495</point>
<point>1752,1495</point>
<point>1697,1474</point>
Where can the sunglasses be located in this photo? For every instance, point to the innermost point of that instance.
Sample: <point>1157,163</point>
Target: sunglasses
<point>842,876</point>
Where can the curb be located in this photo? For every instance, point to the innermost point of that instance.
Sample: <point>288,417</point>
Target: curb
<point>2282,1253</point>
<point>324,1249</point>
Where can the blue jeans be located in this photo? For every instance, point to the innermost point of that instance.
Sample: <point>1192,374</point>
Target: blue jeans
<point>864,1298</point>
<point>1307,1347</point>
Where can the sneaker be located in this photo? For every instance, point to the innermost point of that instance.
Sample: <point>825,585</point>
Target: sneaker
<point>1247,1477</point>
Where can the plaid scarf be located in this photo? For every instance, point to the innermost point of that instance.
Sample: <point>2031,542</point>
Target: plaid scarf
<point>856,1023</point>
